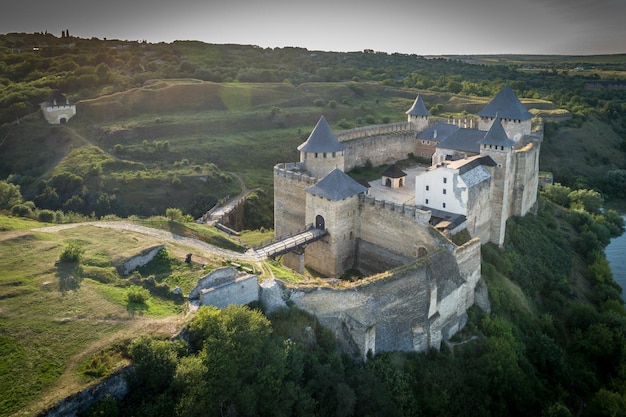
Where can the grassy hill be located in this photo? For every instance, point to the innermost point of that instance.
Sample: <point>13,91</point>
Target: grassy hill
<point>178,142</point>
<point>65,325</point>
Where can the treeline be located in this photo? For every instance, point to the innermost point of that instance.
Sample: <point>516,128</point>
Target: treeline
<point>32,66</point>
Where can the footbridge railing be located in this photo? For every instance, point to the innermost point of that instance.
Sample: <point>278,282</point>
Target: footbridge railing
<point>291,242</point>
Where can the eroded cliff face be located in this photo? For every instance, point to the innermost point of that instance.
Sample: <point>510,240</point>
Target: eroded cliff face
<point>412,308</point>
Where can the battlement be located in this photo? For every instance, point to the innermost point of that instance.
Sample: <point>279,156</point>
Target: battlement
<point>294,171</point>
<point>410,211</point>
<point>374,130</point>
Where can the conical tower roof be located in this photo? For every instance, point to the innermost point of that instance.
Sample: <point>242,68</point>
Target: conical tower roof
<point>321,139</point>
<point>418,108</point>
<point>336,186</point>
<point>506,105</point>
<point>496,135</point>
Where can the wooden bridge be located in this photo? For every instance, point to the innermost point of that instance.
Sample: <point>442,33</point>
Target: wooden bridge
<point>290,243</point>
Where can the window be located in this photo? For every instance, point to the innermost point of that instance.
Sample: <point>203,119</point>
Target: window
<point>324,154</point>
<point>445,180</point>
<point>444,190</point>
<point>444,205</point>
<point>426,201</point>
<point>427,187</point>
<point>316,154</point>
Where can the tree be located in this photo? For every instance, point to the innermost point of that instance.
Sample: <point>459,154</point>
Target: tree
<point>615,183</point>
<point>558,194</point>
<point>174,214</point>
<point>587,200</point>
<point>9,195</point>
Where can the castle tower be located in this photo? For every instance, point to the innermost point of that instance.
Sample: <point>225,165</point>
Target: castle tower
<point>499,147</point>
<point>418,115</point>
<point>321,152</point>
<point>515,119</point>
<point>333,205</point>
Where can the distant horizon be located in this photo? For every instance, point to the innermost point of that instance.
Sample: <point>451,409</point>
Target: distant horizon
<point>427,28</point>
<point>313,50</point>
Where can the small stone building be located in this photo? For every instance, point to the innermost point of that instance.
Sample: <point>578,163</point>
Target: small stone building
<point>393,177</point>
<point>58,110</point>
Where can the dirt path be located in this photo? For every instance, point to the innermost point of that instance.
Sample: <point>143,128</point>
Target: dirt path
<point>160,234</point>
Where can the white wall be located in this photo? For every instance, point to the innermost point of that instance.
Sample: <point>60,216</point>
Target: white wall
<point>430,186</point>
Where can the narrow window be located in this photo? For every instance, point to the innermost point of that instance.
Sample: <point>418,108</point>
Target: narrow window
<point>444,190</point>
<point>426,201</point>
<point>444,205</point>
<point>445,180</point>
<point>324,154</point>
<point>427,188</point>
<point>316,154</point>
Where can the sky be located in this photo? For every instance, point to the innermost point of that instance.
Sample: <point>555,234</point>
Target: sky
<point>422,27</point>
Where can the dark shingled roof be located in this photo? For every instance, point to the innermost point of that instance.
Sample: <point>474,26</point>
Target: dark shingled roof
<point>497,136</point>
<point>418,108</point>
<point>506,105</point>
<point>336,186</point>
<point>394,172</point>
<point>438,132</point>
<point>463,139</point>
<point>321,139</point>
<point>483,160</point>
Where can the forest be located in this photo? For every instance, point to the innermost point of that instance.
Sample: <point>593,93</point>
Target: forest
<point>554,343</point>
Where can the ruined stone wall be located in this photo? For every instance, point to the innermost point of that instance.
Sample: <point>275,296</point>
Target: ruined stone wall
<point>239,291</point>
<point>289,198</point>
<point>140,260</point>
<point>410,309</point>
<point>379,150</point>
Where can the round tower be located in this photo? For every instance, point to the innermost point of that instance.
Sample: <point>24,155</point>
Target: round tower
<point>418,115</point>
<point>322,152</point>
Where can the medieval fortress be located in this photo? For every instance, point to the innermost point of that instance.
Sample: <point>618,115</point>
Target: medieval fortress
<point>396,231</point>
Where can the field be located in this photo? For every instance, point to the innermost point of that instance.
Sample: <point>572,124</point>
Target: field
<point>63,326</point>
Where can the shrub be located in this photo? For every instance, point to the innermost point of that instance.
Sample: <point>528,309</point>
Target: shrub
<point>72,253</point>
<point>137,295</point>
<point>21,210</point>
<point>174,214</point>
<point>46,216</point>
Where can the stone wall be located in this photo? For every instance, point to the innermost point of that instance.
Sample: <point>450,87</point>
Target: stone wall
<point>140,260</point>
<point>399,228</point>
<point>114,386</point>
<point>410,309</point>
<point>526,179</point>
<point>373,130</point>
<point>289,198</point>
<point>379,150</point>
<point>58,114</point>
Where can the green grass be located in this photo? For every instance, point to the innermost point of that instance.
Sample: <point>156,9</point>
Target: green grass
<point>48,319</point>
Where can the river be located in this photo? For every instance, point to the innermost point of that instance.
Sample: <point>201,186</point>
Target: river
<point>616,255</point>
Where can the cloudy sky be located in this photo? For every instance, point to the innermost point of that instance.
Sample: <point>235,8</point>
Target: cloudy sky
<point>423,27</point>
